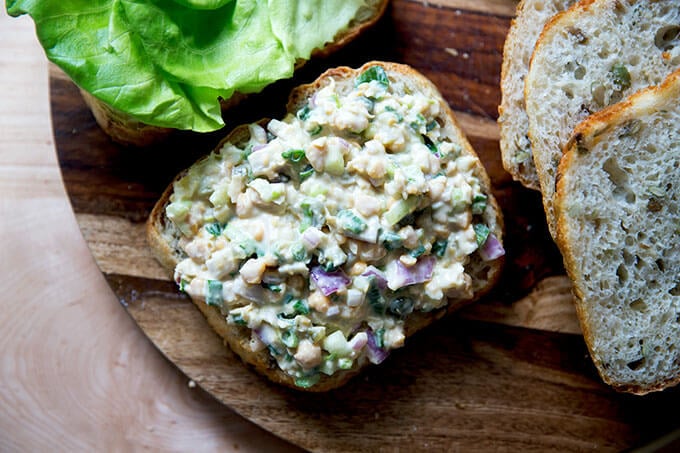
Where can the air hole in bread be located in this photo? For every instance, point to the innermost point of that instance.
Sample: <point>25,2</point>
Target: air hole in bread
<point>579,73</point>
<point>636,364</point>
<point>622,273</point>
<point>568,93</point>
<point>661,265</point>
<point>675,291</point>
<point>628,259</point>
<point>638,305</point>
<point>616,175</point>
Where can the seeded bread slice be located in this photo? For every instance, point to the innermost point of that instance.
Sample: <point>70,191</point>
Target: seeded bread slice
<point>165,239</point>
<point>515,146</point>
<point>617,221</point>
<point>587,58</point>
<point>124,129</point>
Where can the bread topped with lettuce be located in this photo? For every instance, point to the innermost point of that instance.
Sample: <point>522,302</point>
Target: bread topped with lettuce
<point>317,244</point>
<point>148,67</point>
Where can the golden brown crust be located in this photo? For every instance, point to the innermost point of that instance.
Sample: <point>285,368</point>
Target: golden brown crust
<point>238,337</point>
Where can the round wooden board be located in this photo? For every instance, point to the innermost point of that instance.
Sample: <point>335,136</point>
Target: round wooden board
<point>510,372</point>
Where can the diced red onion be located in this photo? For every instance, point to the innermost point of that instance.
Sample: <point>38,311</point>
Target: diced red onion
<point>258,147</point>
<point>375,354</point>
<point>329,282</point>
<point>358,341</point>
<point>380,278</point>
<point>399,275</point>
<point>311,238</point>
<point>491,249</point>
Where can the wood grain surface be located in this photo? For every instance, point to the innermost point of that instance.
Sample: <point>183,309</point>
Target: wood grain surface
<point>510,372</point>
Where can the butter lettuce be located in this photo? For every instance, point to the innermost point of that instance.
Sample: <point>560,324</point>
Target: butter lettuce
<point>167,62</point>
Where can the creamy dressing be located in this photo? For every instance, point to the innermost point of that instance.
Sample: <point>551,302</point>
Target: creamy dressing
<point>325,231</point>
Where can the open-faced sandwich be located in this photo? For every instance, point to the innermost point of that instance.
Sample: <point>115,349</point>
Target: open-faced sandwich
<point>316,244</point>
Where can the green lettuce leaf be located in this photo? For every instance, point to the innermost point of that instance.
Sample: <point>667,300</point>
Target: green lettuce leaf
<point>167,63</point>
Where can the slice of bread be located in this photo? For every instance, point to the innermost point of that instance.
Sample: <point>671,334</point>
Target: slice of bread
<point>125,130</point>
<point>529,20</point>
<point>480,272</point>
<point>587,58</point>
<point>617,201</point>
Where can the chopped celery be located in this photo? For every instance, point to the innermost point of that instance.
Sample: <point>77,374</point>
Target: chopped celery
<point>213,293</point>
<point>289,338</point>
<point>345,363</point>
<point>401,209</point>
<point>307,381</point>
<point>418,251</point>
<point>334,162</point>
<point>336,343</point>
<point>390,240</point>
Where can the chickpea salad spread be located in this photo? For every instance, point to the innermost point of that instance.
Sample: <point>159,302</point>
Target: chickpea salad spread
<point>323,232</point>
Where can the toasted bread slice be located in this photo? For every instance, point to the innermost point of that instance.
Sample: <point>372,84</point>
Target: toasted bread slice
<point>401,101</point>
<point>515,146</point>
<point>617,221</point>
<point>588,57</point>
<point>125,130</point>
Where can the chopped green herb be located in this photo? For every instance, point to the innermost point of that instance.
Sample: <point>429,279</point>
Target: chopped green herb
<point>289,338</point>
<point>479,204</point>
<point>620,76</point>
<point>307,381</point>
<point>271,287</point>
<point>431,125</point>
<point>439,247</point>
<point>349,221</point>
<point>481,233</point>
<point>298,252</point>
<point>316,130</point>
<point>301,307</point>
<point>273,351</point>
<point>183,285</point>
<point>303,113</point>
<point>390,240</point>
<point>294,155</point>
<point>215,228</point>
<point>418,251</point>
<point>376,73</point>
<point>213,293</point>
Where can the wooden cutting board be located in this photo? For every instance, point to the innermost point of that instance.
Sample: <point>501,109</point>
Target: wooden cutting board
<point>510,372</point>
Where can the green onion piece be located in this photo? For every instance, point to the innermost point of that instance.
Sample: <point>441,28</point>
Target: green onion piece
<point>307,381</point>
<point>301,307</point>
<point>439,247</point>
<point>376,73</point>
<point>430,145</point>
<point>370,103</point>
<point>271,287</point>
<point>183,285</point>
<point>479,204</point>
<point>237,319</point>
<point>213,293</point>
<point>418,251</point>
<point>289,338</point>
<point>306,172</point>
<point>380,338</point>
<point>316,130</point>
<point>401,306</point>
<point>294,155</point>
<point>299,252</point>
<point>481,233</point>
<point>390,240</point>
<point>431,125</point>
<point>215,228</point>
<point>349,221</point>
<point>303,113</point>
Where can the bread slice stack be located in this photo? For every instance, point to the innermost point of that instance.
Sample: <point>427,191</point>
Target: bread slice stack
<point>618,227</point>
<point>603,139</point>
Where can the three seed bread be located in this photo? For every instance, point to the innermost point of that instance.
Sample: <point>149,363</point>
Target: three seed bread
<point>124,129</point>
<point>166,240</point>
<point>515,146</point>
<point>587,58</point>
<point>617,204</point>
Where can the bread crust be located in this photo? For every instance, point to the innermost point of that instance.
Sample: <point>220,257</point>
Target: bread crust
<point>237,337</point>
<point>125,130</point>
<point>587,134</point>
